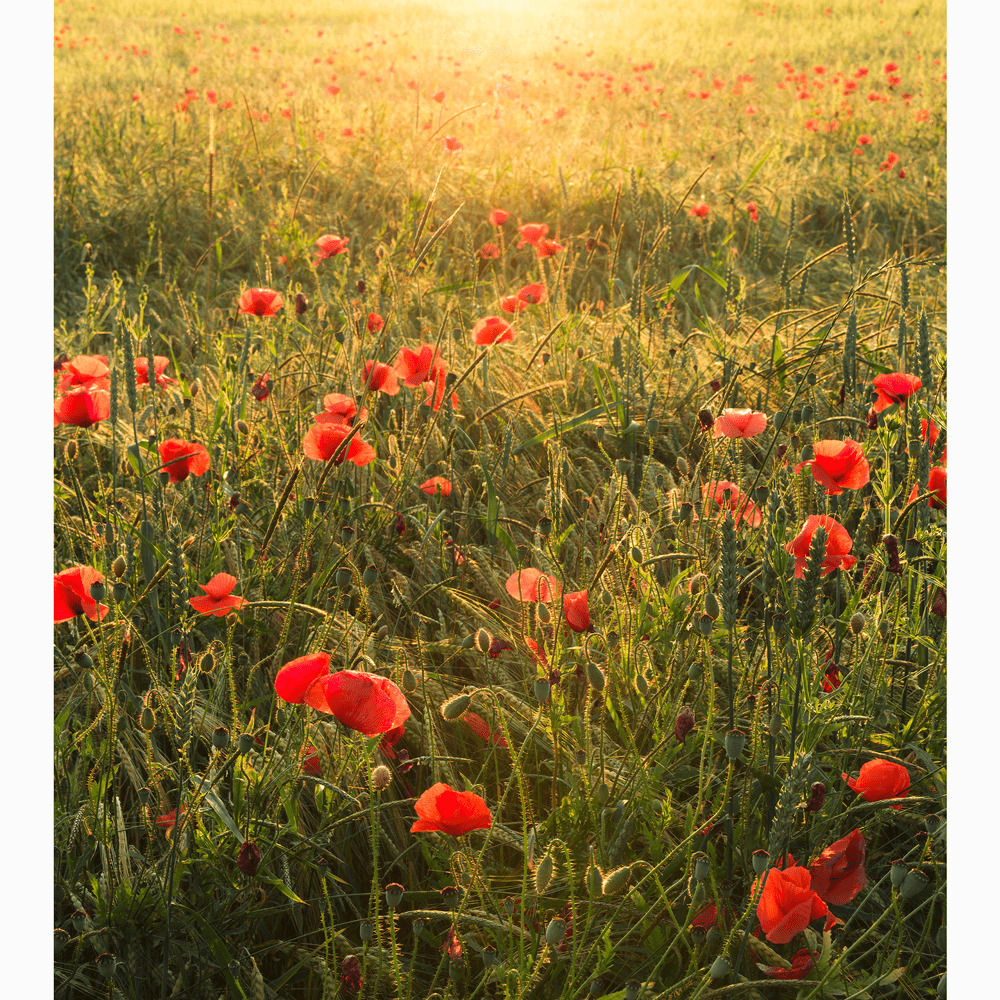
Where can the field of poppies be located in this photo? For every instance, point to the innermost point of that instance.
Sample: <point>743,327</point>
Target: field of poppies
<point>500,501</point>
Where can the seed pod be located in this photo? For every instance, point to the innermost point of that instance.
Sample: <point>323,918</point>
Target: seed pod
<point>483,641</point>
<point>220,737</point>
<point>555,931</point>
<point>595,676</point>
<point>595,880</point>
<point>409,684</point>
<point>615,881</point>
<point>381,778</point>
<point>370,576</point>
<point>735,742</point>
<point>858,623</point>
<point>761,859</point>
<point>455,707</point>
<point>393,895</point>
<point>542,690</point>
<point>720,968</point>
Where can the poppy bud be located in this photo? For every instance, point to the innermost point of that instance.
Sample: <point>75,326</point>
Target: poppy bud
<point>147,719</point>
<point>641,684</point>
<point>244,744</point>
<point>409,684</point>
<point>817,793</point>
<point>242,428</point>
<point>543,614</point>
<point>164,478</point>
<point>599,433</point>
<point>615,881</point>
<point>365,932</point>
<point>706,419</point>
<point>543,874</point>
<point>381,778</point>
<point>220,737</point>
<point>70,450</point>
<point>595,676</point>
<point>542,690</point>
<point>393,895</point>
<point>118,567</point>
<point>702,865</point>
<point>694,671</point>
<point>248,858</point>
<point>713,938</point>
<point>682,466</point>
<point>940,604</point>
<point>683,723</point>
<point>555,931</point>
<point>301,304</point>
<point>872,420</point>
<point>711,605</point>
<point>106,965</point>
<point>612,640</point>
<point>602,794</point>
<point>720,968</point>
<point>858,623</point>
<point>370,576</point>
<point>774,726</point>
<point>455,707</point>
<point>483,641</point>
<point>735,742</point>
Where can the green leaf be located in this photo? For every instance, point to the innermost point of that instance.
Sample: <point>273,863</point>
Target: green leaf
<point>220,810</point>
<point>284,890</point>
<point>778,360</point>
<point>581,418</point>
<point>753,172</point>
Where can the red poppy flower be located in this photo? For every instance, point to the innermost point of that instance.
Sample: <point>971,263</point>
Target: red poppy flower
<point>739,423</point>
<point>218,599</point>
<point>338,409</point>
<point>323,439</point>
<point>532,585</point>
<point>928,426</point>
<point>937,483</point>
<point>498,217</point>
<point>788,904</point>
<point>310,761</point>
<point>838,545</point>
<point>260,302</point>
<point>168,821</point>
<point>532,294</point>
<point>699,210</point>
<point>576,611</point>
<point>752,209</point>
<point>438,96</point>
<point>832,678</point>
<point>295,677</point>
<point>802,962</point>
<point>451,144</point>
<point>492,330</point>
<point>479,726</point>
<point>547,248</point>
<point>417,367</point>
<point>261,388</point>
<point>880,779</point>
<point>367,703</point>
<point>142,371</point>
<point>375,323</point>
<point>380,377</point>
<point>489,251</point>
<point>743,507</point>
<point>82,407</point>
<point>443,809</point>
<point>838,465</point>
<point>838,874</point>
<point>533,233</point>
<point>72,594</point>
<point>436,483</point>
<point>180,459</point>
<point>330,246</point>
<point>436,389</point>
<point>85,371</point>
<point>895,387</point>
<point>512,304</point>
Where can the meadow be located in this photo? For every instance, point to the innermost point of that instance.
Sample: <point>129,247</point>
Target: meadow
<point>500,500</point>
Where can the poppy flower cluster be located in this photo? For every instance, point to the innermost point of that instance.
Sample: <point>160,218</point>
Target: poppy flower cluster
<point>367,703</point>
<point>534,234</point>
<point>532,585</point>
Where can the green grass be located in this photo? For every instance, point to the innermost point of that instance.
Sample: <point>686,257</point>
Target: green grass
<point>577,449</point>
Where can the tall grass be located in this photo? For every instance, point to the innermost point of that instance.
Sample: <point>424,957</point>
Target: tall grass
<point>631,770</point>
